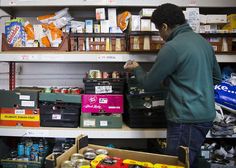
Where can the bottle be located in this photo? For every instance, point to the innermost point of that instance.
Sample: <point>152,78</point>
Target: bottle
<point>20,149</point>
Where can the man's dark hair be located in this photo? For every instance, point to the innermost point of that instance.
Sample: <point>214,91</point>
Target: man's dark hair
<point>168,13</point>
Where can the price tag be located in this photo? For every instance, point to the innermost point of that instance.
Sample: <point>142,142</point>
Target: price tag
<point>38,133</point>
<point>158,103</point>
<point>103,89</point>
<point>103,123</point>
<point>56,116</point>
<point>89,123</point>
<point>109,58</point>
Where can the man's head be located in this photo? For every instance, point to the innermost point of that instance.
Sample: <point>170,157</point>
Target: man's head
<point>166,17</point>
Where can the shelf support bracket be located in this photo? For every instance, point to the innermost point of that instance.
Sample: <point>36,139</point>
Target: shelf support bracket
<point>12,75</point>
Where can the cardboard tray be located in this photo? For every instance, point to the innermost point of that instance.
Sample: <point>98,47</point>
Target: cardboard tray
<point>64,46</point>
<point>82,144</point>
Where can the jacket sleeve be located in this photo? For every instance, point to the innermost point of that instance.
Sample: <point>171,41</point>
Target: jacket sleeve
<point>165,64</point>
<point>216,72</point>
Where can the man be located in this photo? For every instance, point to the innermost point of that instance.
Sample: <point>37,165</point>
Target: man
<point>187,66</point>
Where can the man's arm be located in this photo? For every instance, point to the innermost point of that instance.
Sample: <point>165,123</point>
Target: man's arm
<point>165,64</point>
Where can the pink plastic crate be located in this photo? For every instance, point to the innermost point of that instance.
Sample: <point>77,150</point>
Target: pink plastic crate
<point>92,103</point>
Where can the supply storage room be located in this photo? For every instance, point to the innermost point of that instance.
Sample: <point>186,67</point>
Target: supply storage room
<point>50,90</point>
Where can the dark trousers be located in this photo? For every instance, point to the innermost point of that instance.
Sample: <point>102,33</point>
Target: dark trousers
<point>189,135</point>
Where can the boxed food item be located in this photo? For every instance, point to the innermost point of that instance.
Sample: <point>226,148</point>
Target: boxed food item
<point>145,25</point>
<point>19,117</point>
<point>92,103</point>
<point>146,12</point>
<point>118,156</point>
<point>135,24</point>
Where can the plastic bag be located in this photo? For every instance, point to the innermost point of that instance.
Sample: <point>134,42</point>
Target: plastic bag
<point>225,94</point>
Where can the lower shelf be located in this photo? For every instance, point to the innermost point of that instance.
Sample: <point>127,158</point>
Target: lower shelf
<point>97,133</point>
<point>94,133</point>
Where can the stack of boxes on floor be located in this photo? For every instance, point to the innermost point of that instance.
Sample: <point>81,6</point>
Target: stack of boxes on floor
<point>20,107</point>
<point>144,109</point>
<point>102,103</point>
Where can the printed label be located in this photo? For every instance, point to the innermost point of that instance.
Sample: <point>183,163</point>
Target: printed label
<point>158,103</point>
<point>103,123</point>
<point>19,111</point>
<point>19,117</point>
<point>103,89</point>
<point>103,100</point>
<point>27,103</point>
<point>56,116</point>
<point>89,123</point>
<point>24,97</point>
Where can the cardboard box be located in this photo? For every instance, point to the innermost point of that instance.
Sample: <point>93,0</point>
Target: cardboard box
<point>146,12</point>
<point>112,17</point>
<point>216,18</point>
<point>92,103</point>
<point>19,117</point>
<point>100,14</point>
<point>89,26</point>
<point>135,24</point>
<point>145,25</point>
<point>82,144</point>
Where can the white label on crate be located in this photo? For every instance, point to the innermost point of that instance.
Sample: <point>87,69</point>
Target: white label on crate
<point>24,97</point>
<point>56,116</point>
<point>158,103</point>
<point>19,111</point>
<point>103,100</point>
<point>89,123</point>
<point>103,89</point>
<point>103,123</point>
<point>27,103</point>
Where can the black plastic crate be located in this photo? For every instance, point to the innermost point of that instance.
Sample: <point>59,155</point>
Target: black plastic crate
<point>104,86</point>
<point>145,118</point>
<point>59,114</point>
<point>146,100</point>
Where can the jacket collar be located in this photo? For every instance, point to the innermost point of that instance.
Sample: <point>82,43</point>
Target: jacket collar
<point>178,30</point>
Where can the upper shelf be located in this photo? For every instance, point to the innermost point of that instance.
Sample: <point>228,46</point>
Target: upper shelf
<point>138,3</point>
<point>89,57</point>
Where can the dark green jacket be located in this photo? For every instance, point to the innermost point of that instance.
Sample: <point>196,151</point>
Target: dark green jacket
<point>187,61</point>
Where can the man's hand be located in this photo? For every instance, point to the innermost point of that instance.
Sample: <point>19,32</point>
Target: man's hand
<point>130,65</point>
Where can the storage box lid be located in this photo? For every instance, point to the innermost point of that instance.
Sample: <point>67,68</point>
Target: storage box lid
<point>60,97</point>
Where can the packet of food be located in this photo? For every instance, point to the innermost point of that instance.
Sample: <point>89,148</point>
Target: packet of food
<point>29,30</point>
<point>41,36</point>
<point>123,20</point>
<point>54,35</point>
<point>46,18</point>
<point>15,33</point>
<point>62,21</point>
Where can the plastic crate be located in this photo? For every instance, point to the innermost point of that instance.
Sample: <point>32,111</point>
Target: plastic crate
<point>104,86</point>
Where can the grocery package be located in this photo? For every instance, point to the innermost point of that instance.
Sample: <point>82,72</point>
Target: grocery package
<point>225,93</point>
<point>123,20</point>
<point>15,33</point>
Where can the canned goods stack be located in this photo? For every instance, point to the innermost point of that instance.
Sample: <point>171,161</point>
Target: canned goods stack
<point>102,103</point>
<point>144,109</point>
<point>29,152</point>
<point>65,90</point>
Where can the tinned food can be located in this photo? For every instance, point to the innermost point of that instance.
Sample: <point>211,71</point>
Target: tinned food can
<point>101,151</point>
<point>75,157</point>
<point>90,155</point>
<point>67,164</point>
<point>81,162</point>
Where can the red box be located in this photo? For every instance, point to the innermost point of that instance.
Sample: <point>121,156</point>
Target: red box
<point>19,117</point>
